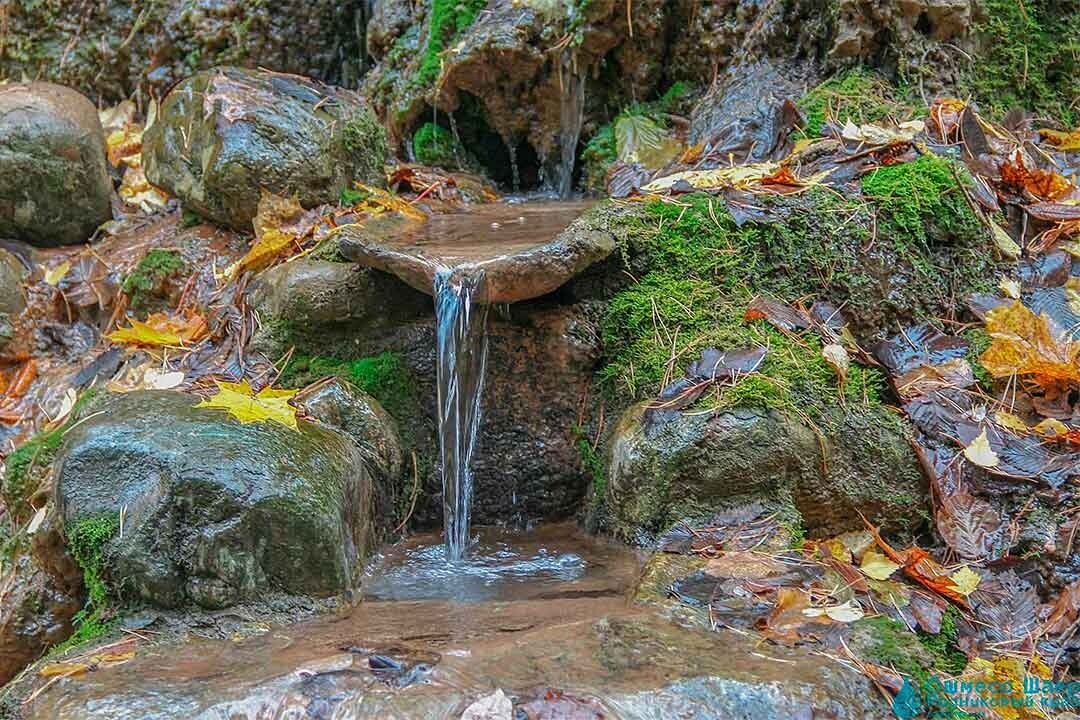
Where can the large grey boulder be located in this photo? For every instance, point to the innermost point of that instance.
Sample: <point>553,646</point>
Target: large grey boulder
<point>54,181</point>
<point>224,135</point>
<point>676,466</point>
<point>215,511</point>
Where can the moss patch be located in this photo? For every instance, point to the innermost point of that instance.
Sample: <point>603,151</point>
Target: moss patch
<point>146,281</point>
<point>449,18</point>
<point>86,540</point>
<point>383,376</point>
<point>857,94</point>
<point>980,341</point>
<point>1030,58</point>
<point>26,467</point>
<point>697,270</point>
<point>364,139</point>
<point>435,145</point>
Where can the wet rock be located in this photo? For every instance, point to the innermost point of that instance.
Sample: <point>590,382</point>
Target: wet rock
<point>12,298</point>
<point>689,465</point>
<point>341,405</point>
<point>216,511</point>
<point>225,134</point>
<point>521,249</point>
<point>54,182</point>
<point>41,589</point>
<point>526,464</point>
<point>389,19</point>
<point>113,49</point>
<point>331,308</point>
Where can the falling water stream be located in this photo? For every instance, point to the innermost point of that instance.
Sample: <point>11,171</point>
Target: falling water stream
<point>461,357</point>
<point>571,117</point>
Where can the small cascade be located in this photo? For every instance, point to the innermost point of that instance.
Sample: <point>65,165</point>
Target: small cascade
<point>571,117</point>
<point>461,346</point>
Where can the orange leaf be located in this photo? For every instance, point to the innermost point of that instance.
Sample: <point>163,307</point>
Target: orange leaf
<point>1024,343</point>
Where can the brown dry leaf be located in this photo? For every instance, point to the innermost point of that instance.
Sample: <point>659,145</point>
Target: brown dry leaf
<point>125,146</point>
<point>969,525</point>
<point>1065,610</point>
<point>923,569</point>
<point>161,330</point>
<point>786,620</point>
<point>1027,344</point>
<point>136,190</point>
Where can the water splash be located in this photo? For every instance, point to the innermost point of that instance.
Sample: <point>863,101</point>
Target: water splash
<point>461,348</point>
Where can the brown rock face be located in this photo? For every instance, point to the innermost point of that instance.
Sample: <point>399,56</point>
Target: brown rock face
<point>39,594</point>
<point>54,182</point>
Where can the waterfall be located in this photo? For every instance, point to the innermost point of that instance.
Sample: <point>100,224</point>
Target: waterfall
<point>571,117</point>
<point>461,346</point>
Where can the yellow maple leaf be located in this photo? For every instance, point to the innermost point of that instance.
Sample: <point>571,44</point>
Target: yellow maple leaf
<point>247,406</point>
<point>1024,343</point>
<point>965,580</point>
<point>877,566</point>
<point>161,330</point>
<point>278,226</point>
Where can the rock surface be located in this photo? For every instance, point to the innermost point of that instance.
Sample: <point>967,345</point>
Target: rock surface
<point>689,465</point>
<point>113,49</point>
<point>224,135</point>
<point>521,250</point>
<point>216,511</point>
<point>40,592</point>
<point>526,463</point>
<point>54,180</point>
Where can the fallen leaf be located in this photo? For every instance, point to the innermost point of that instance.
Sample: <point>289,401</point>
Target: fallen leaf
<point>965,580</point>
<point>161,330</point>
<point>1010,288</point>
<point>55,274</point>
<point>969,525</point>
<point>877,566</point>
<point>35,522</point>
<point>1051,427</point>
<point>980,453</point>
<point>158,380</point>
<point>136,190</point>
<point>1004,242</point>
<point>1063,141</point>
<point>837,358</point>
<point>640,139</point>
<point>845,613</point>
<point>1010,421</point>
<point>247,406</point>
<point>1024,343</point>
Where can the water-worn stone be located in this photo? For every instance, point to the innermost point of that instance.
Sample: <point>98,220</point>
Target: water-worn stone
<point>54,180</point>
<point>115,49</point>
<point>41,589</point>
<point>216,511</point>
<point>688,465</point>
<point>224,135</point>
<point>12,299</point>
<point>521,249</point>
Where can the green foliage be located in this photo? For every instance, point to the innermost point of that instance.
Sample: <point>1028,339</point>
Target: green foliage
<point>601,150</point>
<point>352,196</point>
<point>435,145</point>
<point>86,540</point>
<point>922,203</point>
<point>592,462</point>
<point>857,94</point>
<point>383,376</point>
<point>449,18</point>
<point>1030,58</point>
<point>146,280</point>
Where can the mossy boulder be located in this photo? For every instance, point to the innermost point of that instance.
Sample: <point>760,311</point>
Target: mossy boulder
<point>686,466</point>
<point>216,511</point>
<point>54,180</point>
<point>224,135</point>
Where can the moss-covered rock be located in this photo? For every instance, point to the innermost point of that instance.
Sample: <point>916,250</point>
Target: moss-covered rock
<point>435,145</point>
<point>224,135</point>
<point>149,283</point>
<point>215,511</point>
<point>54,181</point>
<point>686,466</point>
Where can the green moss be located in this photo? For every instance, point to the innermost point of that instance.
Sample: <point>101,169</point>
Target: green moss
<point>383,376</point>
<point>145,282</point>
<point>448,19</point>
<point>1030,58</point>
<point>25,468</point>
<point>593,464</point>
<point>435,145</point>
<point>364,139</point>
<point>86,540</point>
<point>922,203</point>
<point>857,94</point>
<point>980,341</point>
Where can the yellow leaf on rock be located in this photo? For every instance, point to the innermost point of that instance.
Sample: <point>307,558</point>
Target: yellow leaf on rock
<point>965,580</point>
<point>247,406</point>
<point>877,566</point>
<point>265,250</point>
<point>980,452</point>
